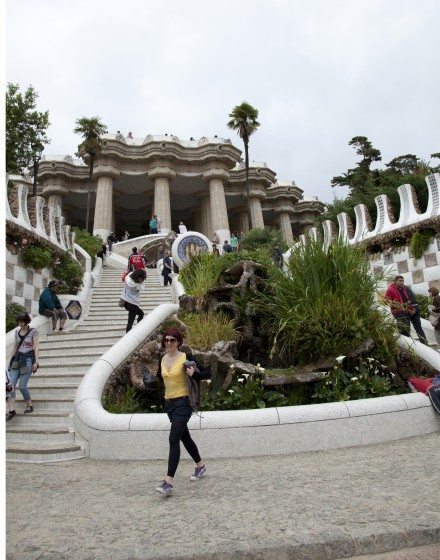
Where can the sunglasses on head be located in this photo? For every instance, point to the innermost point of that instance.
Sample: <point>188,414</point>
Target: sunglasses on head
<point>170,339</point>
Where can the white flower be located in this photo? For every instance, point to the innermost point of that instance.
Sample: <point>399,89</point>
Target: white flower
<point>370,359</point>
<point>208,381</point>
<point>261,370</point>
<point>232,366</point>
<point>340,359</point>
<point>354,378</point>
<point>230,391</point>
<point>241,380</point>
<point>258,366</point>
<point>245,375</point>
<point>392,374</point>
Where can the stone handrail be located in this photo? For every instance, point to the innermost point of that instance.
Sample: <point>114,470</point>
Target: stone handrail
<point>61,236</point>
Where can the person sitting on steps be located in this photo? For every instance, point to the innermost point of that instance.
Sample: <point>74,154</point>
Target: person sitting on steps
<point>50,306</point>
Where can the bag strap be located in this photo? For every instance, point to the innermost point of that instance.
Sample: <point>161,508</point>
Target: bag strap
<point>19,344</point>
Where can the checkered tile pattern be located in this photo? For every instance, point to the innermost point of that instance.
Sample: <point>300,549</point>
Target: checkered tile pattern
<point>24,285</point>
<point>420,274</point>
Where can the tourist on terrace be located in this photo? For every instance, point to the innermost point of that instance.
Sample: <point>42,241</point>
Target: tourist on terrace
<point>126,236</point>
<point>153,224</point>
<point>102,253</point>
<point>182,228</point>
<point>50,306</point>
<point>130,136</point>
<point>435,308</point>
<point>174,370</point>
<point>133,285</point>
<point>215,250</point>
<point>226,247</point>
<point>24,362</point>
<point>234,242</point>
<point>404,307</point>
<point>111,239</point>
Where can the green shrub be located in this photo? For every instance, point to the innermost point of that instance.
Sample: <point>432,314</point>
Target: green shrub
<point>126,403</point>
<point>200,274</point>
<point>70,273</point>
<point>368,380</point>
<point>248,392</point>
<point>205,329</point>
<point>420,242</point>
<point>263,237</point>
<point>325,306</point>
<point>423,302</point>
<point>37,256</point>
<point>90,243</point>
<point>12,310</point>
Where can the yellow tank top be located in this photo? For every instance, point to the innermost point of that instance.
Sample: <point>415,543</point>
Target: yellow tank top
<point>174,379</point>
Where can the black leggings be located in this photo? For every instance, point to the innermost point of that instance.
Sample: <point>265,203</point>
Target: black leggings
<point>179,412</point>
<point>133,310</point>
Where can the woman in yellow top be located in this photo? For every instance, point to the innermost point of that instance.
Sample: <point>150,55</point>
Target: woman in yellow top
<point>177,405</point>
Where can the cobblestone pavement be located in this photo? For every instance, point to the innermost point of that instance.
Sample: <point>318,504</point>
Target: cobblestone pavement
<point>307,506</point>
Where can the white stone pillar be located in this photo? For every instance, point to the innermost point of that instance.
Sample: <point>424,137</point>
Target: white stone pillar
<point>243,221</point>
<point>102,223</point>
<point>55,199</point>
<point>219,212</point>
<point>206,222</point>
<point>256,212</point>
<point>162,205</point>
<point>286,227</point>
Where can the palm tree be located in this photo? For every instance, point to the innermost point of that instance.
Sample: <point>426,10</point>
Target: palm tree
<point>244,121</point>
<point>91,129</point>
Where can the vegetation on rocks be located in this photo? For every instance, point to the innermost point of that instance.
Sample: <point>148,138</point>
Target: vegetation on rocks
<point>12,310</point>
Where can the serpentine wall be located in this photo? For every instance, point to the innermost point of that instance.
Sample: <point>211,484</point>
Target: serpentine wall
<point>419,273</point>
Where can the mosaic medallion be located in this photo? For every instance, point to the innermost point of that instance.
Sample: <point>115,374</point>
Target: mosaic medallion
<point>73,309</point>
<point>189,245</point>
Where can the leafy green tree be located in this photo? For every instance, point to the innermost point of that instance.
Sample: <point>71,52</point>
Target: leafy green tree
<point>243,119</point>
<point>25,129</point>
<point>357,177</point>
<point>91,129</point>
<point>263,238</point>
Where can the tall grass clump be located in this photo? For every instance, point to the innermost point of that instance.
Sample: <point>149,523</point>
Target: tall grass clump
<point>205,329</point>
<point>324,306</point>
<point>200,274</point>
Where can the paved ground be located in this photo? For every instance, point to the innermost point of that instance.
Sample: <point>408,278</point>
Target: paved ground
<point>308,506</point>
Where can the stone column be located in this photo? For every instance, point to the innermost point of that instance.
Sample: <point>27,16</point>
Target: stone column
<point>55,199</point>
<point>219,212</point>
<point>206,222</point>
<point>285,227</point>
<point>161,205</point>
<point>103,221</point>
<point>243,221</point>
<point>256,212</point>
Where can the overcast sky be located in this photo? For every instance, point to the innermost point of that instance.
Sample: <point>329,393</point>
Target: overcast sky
<point>319,72</point>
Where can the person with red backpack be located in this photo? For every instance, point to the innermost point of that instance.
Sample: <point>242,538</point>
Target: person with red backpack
<point>136,261</point>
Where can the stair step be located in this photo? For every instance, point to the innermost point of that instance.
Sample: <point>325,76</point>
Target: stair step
<point>62,376</point>
<point>45,391</point>
<point>43,433</point>
<point>40,452</point>
<point>38,417</point>
<point>42,404</point>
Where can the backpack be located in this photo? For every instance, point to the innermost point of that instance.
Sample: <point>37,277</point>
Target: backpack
<point>136,262</point>
<point>434,395</point>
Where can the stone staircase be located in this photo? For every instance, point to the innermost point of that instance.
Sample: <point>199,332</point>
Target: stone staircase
<point>48,434</point>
